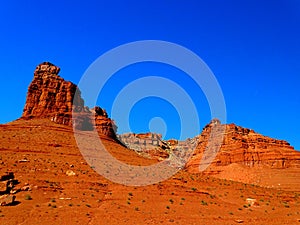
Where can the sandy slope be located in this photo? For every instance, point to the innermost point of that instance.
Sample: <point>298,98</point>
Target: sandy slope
<point>40,152</point>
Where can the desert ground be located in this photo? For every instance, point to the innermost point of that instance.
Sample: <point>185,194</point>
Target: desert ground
<point>57,186</point>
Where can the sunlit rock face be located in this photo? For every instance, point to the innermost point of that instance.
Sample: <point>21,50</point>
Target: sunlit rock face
<point>50,96</point>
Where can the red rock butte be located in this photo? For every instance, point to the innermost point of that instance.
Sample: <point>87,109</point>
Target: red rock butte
<point>242,146</point>
<point>50,96</point>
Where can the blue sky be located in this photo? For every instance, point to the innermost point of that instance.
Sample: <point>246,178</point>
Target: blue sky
<point>252,47</point>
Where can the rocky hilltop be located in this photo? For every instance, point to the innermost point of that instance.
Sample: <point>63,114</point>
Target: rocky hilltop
<point>242,146</point>
<point>50,96</point>
<point>225,143</point>
<point>149,145</point>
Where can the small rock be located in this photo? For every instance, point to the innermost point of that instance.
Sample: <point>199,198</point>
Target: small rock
<point>65,198</point>
<point>26,188</point>
<point>252,201</point>
<point>7,200</point>
<point>11,183</point>
<point>23,160</point>
<point>70,173</point>
<point>239,221</point>
<point>14,191</point>
<point>3,186</point>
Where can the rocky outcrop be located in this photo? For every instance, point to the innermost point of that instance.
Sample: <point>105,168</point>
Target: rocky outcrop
<point>143,141</point>
<point>7,183</point>
<point>50,96</point>
<point>243,146</point>
<point>149,145</point>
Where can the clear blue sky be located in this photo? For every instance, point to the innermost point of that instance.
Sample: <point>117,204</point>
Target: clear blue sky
<point>252,47</point>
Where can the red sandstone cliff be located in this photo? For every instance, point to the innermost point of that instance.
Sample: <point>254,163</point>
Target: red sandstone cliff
<point>50,96</point>
<point>242,146</point>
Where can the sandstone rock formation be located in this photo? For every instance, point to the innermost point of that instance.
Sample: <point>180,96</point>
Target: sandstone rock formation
<point>243,146</point>
<point>7,183</point>
<point>50,96</point>
<point>149,145</point>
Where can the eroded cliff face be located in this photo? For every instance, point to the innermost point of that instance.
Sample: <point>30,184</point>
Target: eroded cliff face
<point>243,146</point>
<point>149,145</point>
<point>48,93</point>
<point>50,96</point>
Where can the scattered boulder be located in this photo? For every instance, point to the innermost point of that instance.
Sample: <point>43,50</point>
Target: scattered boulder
<point>23,160</point>
<point>7,185</point>
<point>6,200</point>
<point>3,186</point>
<point>26,188</point>
<point>252,202</point>
<point>70,173</point>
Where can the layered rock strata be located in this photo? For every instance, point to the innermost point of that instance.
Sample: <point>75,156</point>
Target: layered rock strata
<point>50,96</point>
<point>235,144</point>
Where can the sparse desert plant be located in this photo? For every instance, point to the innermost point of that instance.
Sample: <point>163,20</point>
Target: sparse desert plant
<point>28,197</point>
<point>194,189</point>
<point>203,202</point>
